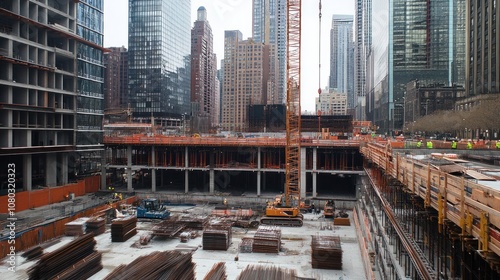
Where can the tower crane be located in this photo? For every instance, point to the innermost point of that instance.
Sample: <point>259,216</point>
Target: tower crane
<point>285,209</point>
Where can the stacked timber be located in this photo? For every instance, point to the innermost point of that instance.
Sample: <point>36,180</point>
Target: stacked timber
<point>157,265</point>
<point>123,228</point>
<point>75,260</point>
<point>326,252</point>
<point>246,245</point>
<point>217,237</point>
<point>96,225</point>
<point>259,272</point>
<point>267,239</point>
<point>33,253</point>
<point>218,272</point>
<point>76,227</point>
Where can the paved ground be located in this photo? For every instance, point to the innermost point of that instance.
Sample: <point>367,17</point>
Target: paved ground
<point>295,254</point>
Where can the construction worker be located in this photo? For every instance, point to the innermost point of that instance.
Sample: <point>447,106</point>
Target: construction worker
<point>469,145</point>
<point>454,144</point>
<point>429,144</point>
<point>497,144</point>
<point>419,143</point>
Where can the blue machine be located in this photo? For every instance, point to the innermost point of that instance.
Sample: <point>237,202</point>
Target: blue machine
<point>150,208</point>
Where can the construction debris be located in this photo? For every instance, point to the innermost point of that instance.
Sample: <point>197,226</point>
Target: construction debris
<point>123,228</point>
<point>258,272</point>
<point>217,237</point>
<point>75,260</point>
<point>267,239</point>
<point>326,252</point>
<point>218,272</point>
<point>169,265</point>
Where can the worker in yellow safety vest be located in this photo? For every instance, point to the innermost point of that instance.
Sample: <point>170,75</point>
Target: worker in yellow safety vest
<point>429,144</point>
<point>498,144</point>
<point>469,145</point>
<point>419,143</point>
<point>454,144</point>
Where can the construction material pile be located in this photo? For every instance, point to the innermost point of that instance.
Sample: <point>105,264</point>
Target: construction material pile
<point>33,253</point>
<point>75,260</point>
<point>259,272</point>
<point>217,237</point>
<point>267,239</point>
<point>123,228</point>
<point>197,223</point>
<point>218,272</point>
<point>246,245</point>
<point>76,227</point>
<point>168,228</point>
<point>96,225</point>
<point>326,252</point>
<point>171,265</point>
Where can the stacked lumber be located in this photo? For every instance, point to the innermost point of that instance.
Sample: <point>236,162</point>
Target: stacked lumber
<point>76,227</point>
<point>33,253</point>
<point>157,265</point>
<point>123,228</point>
<point>75,260</point>
<point>267,239</point>
<point>246,245</point>
<point>96,225</point>
<point>259,272</point>
<point>326,252</point>
<point>217,238</point>
<point>218,272</point>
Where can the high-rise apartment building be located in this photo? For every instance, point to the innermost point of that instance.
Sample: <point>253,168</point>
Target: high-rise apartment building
<point>416,40</point>
<point>204,114</point>
<point>331,102</point>
<point>342,57</point>
<point>116,78</point>
<point>51,84</point>
<point>246,79</point>
<point>269,27</point>
<point>159,41</point>
<point>362,44</point>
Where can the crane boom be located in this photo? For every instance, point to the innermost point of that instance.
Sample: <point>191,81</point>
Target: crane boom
<point>292,150</point>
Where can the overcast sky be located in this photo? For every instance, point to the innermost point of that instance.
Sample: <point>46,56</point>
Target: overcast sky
<point>237,15</point>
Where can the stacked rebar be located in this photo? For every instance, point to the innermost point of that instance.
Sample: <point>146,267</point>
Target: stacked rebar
<point>33,253</point>
<point>246,245</point>
<point>326,252</point>
<point>75,260</point>
<point>267,239</point>
<point>168,228</point>
<point>76,227</point>
<point>168,265</point>
<point>124,228</point>
<point>218,272</point>
<point>217,237</point>
<point>258,272</point>
<point>96,225</point>
<point>197,223</point>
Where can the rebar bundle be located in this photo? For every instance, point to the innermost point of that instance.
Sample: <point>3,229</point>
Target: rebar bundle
<point>33,253</point>
<point>267,239</point>
<point>168,228</point>
<point>218,272</point>
<point>168,265</point>
<point>76,227</point>
<point>75,260</point>
<point>258,272</point>
<point>122,229</point>
<point>197,223</point>
<point>326,252</point>
<point>96,225</point>
<point>217,238</point>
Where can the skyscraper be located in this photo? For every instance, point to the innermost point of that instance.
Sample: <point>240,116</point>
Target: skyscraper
<point>116,78</point>
<point>362,35</point>
<point>269,27</point>
<point>159,58</point>
<point>342,57</point>
<point>417,40</point>
<point>51,84</point>
<point>203,75</point>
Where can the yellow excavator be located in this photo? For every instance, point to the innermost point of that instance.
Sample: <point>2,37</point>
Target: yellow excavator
<point>285,210</point>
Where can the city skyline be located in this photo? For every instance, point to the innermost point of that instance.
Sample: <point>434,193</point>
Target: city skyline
<point>237,15</point>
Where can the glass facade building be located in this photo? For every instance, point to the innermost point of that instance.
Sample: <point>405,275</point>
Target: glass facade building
<point>416,40</point>
<point>159,41</point>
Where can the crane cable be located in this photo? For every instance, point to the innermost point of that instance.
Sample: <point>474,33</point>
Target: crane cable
<point>319,52</point>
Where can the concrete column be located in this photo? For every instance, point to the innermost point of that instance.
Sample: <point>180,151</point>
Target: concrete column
<point>314,174</point>
<point>302,172</point>
<point>129,169</point>
<point>211,184</point>
<point>153,169</point>
<point>64,169</point>
<point>186,171</point>
<point>50,170</point>
<point>27,175</point>
<point>258,171</point>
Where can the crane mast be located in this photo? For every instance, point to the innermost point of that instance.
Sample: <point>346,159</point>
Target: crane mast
<point>292,150</point>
